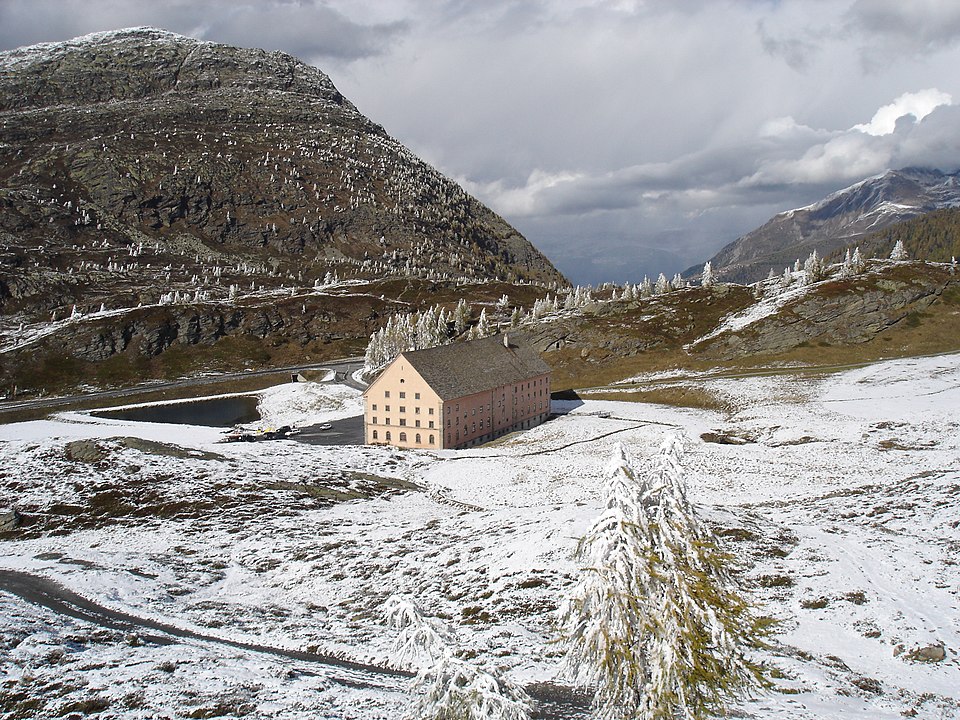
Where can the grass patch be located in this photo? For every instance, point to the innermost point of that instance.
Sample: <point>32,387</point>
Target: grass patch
<point>677,396</point>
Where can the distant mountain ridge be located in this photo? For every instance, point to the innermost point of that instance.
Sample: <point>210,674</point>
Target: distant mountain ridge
<point>844,218</point>
<point>231,166</point>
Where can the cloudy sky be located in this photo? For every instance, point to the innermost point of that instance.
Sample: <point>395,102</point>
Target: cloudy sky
<point>622,137</point>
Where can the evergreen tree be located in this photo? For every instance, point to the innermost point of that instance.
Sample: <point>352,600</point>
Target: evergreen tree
<point>706,277</point>
<point>646,287</point>
<point>814,269</point>
<point>857,263</point>
<point>846,268</point>
<point>483,328</point>
<point>447,687</point>
<point>662,286</point>
<point>656,623</point>
<point>461,316</point>
<point>899,252</point>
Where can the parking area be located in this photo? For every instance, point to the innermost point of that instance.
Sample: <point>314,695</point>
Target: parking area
<point>348,431</point>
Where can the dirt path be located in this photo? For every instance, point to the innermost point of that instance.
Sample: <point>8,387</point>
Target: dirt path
<point>555,702</point>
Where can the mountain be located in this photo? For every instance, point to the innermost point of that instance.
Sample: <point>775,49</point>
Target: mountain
<point>138,163</point>
<point>842,219</point>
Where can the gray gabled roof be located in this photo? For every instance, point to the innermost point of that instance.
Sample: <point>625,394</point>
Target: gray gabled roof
<point>466,368</point>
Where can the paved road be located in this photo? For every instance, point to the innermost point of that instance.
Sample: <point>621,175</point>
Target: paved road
<point>348,431</point>
<point>344,368</point>
<point>555,702</point>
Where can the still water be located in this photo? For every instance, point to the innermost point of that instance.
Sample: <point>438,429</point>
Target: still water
<point>215,412</point>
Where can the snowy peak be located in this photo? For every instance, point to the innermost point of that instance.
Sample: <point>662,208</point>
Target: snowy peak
<point>841,219</point>
<point>145,62</point>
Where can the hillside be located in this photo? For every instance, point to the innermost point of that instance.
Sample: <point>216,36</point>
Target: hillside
<point>934,237</point>
<point>892,309</point>
<point>143,168</point>
<point>845,218</point>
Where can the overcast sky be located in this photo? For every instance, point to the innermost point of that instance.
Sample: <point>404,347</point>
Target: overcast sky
<point>622,137</point>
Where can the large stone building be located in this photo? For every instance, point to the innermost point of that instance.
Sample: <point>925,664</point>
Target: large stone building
<point>457,395</point>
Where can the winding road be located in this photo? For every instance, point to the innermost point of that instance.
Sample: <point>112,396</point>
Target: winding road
<point>343,366</point>
<point>554,702</point>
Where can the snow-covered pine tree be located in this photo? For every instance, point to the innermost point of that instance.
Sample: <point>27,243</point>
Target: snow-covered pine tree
<point>706,277</point>
<point>447,687</point>
<point>646,287</point>
<point>813,269</point>
<point>656,622</point>
<point>846,267</point>
<point>857,263</point>
<point>461,316</point>
<point>662,286</point>
<point>899,252</point>
<point>483,328</point>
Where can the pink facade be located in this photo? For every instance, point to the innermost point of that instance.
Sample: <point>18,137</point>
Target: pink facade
<point>487,415</point>
<point>400,409</point>
<point>457,395</point>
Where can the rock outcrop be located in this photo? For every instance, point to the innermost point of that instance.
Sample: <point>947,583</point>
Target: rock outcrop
<point>842,312</point>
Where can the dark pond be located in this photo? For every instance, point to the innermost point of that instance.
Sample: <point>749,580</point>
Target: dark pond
<point>215,412</point>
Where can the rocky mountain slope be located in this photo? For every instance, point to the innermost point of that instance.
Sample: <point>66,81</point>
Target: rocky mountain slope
<point>841,220</point>
<point>138,163</point>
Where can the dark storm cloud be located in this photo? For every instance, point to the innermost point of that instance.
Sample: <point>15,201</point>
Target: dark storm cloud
<point>305,29</point>
<point>916,27</point>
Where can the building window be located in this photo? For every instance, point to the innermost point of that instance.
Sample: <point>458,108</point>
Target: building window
<point>403,437</point>
<point>458,408</point>
<point>386,393</point>
<point>403,422</point>
<point>374,407</point>
<point>416,410</point>
<point>388,436</point>
<point>386,421</point>
<point>401,379</point>
<point>474,428</point>
<point>403,408</point>
<point>418,438</point>
<point>448,422</point>
<point>416,423</point>
<point>374,434</point>
<point>402,394</point>
<point>416,396</point>
<point>431,423</point>
<point>429,411</point>
<point>386,408</point>
<point>431,439</point>
<point>373,421</point>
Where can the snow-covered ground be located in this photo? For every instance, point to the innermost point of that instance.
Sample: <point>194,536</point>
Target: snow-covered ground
<point>840,495</point>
